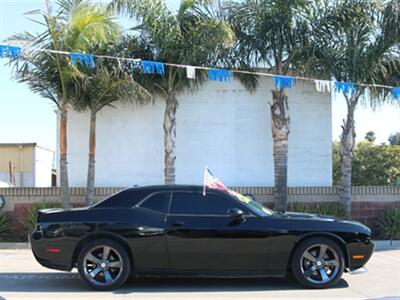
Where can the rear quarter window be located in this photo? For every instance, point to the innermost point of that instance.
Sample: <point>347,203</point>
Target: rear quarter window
<point>158,202</point>
<point>125,198</point>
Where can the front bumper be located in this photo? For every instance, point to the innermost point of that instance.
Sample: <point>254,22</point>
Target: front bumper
<point>357,271</point>
<point>359,254</point>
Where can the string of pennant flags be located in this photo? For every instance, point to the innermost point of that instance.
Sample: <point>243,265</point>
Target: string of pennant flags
<point>214,74</point>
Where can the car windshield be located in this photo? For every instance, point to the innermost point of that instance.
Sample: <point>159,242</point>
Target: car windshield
<point>252,205</point>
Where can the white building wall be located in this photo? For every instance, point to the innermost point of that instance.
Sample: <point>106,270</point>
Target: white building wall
<point>22,179</point>
<point>43,165</point>
<point>222,126</point>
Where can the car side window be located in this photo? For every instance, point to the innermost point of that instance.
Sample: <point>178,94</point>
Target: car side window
<point>125,198</point>
<point>197,204</point>
<point>157,202</point>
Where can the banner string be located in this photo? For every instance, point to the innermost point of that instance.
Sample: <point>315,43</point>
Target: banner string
<point>25,50</point>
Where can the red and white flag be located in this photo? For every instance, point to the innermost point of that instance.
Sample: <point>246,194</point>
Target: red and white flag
<point>212,182</point>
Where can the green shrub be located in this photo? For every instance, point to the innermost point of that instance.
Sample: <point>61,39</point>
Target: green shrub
<point>3,225</point>
<point>29,221</point>
<point>328,209</point>
<point>372,164</point>
<point>389,223</point>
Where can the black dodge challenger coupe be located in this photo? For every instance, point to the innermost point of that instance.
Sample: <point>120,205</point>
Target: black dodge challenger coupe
<point>176,231</point>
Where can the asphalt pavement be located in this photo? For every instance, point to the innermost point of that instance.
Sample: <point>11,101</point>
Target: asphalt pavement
<point>21,277</point>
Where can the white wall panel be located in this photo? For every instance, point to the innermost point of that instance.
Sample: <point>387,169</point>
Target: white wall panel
<point>222,126</point>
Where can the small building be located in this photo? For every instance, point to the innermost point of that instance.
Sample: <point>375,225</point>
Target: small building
<point>221,126</point>
<point>26,165</point>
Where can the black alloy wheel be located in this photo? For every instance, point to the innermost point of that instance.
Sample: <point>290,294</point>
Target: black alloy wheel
<point>104,265</point>
<point>318,263</point>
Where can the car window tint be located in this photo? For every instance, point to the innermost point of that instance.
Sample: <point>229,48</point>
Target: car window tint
<point>126,198</point>
<point>197,204</point>
<point>157,202</point>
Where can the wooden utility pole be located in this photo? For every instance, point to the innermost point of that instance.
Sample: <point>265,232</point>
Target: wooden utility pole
<point>11,170</point>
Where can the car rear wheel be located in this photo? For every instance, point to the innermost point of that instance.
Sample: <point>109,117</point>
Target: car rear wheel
<point>318,263</point>
<point>104,265</point>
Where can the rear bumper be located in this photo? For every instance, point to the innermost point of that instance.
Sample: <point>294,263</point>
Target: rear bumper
<point>53,260</point>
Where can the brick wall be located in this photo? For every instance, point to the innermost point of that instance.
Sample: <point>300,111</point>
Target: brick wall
<point>368,212</point>
<point>367,204</point>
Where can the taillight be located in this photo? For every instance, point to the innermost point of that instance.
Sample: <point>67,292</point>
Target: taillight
<point>53,250</point>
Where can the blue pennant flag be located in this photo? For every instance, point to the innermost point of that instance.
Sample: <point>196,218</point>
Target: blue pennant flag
<point>396,93</point>
<point>86,60</point>
<point>219,75</point>
<point>283,82</point>
<point>345,87</point>
<point>152,67</point>
<point>10,51</point>
<point>2,49</point>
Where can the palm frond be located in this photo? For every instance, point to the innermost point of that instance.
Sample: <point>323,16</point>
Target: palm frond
<point>358,44</point>
<point>193,36</point>
<point>77,26</point>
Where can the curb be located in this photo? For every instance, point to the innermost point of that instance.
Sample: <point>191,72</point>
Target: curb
<point>379,245</point>
<point>386,245</point>
<point>14,246</point>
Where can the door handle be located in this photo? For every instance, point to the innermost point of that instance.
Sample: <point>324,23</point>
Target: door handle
<point>178,223</point>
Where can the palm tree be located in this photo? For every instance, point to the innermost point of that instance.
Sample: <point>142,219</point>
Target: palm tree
<point>193,36</point>
<point>273,34</point>
<point>100,88</point>
<point>357,42</point>
<point>77,26</point>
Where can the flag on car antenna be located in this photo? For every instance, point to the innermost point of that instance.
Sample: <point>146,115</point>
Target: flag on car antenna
<point>212,182</point>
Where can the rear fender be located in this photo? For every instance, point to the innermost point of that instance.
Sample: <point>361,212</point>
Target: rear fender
<point>100,235</point>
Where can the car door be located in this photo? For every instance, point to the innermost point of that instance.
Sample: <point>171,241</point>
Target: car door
<point>147,237</point>
<point>201,236</point>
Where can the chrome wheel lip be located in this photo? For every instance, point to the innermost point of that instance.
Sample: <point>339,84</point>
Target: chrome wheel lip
<point>320,264</point>
<point>102,266</point>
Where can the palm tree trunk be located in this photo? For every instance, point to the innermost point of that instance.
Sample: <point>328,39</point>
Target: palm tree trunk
<point>91,161</point>
<point>170,138</point>
<point>63,158</point>
<point>347,142</point>
<point>280,133</point>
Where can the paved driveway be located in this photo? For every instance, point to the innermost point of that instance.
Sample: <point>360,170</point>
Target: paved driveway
<point>22,277</point>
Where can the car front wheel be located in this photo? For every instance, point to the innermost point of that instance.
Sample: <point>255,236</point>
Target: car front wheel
<point>318,263</point>
<point>104,265</point>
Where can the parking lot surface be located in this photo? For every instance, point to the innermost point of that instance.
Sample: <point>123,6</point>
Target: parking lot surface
<point>21,277</point>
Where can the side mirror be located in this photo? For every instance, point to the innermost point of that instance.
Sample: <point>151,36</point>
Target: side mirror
<point>251,196</point>
<point>236,213</point>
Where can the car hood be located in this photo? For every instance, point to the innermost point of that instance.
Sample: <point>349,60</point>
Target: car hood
<point>357,226</point>
<point>300,215</point>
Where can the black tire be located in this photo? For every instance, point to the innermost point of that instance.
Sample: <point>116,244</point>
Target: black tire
<point>104,274</point>
<point>318,273</point>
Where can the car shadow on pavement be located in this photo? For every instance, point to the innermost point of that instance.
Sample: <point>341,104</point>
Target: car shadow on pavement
<point>174,285</point>
<point>386,298</point>
<point>70,282</point>
<point>41,282</point>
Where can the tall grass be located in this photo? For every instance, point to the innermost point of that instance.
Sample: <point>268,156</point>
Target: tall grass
<point>329,209</point>
<point>29,220</point>
<point>389,223</point>
<point>3,225</point>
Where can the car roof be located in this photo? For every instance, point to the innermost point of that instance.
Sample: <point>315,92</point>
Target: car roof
<point>139,193</point>
<point>171,187</point>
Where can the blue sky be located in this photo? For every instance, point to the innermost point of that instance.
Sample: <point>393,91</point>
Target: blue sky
<point>26,117</point>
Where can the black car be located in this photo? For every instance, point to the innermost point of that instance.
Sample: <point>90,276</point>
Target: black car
<point>177,231</point>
